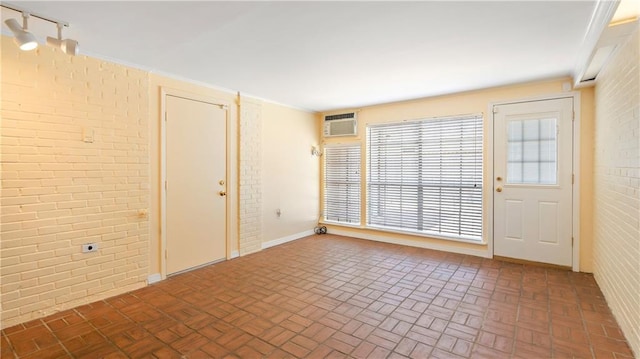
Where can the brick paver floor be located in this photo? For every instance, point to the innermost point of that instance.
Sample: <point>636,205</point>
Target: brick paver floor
<point>335,297</point>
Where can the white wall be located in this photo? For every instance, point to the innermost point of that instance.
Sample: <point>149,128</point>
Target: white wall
<point>290,173</point>
<point>250,186</point>
<point>616,250</point>
<point>61,189</point>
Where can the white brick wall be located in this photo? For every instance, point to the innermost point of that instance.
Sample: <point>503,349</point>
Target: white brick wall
<point>59,192</point>
<point>617,188</point>
<point>250,176</point>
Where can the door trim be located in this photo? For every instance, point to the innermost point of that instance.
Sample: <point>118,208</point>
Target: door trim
<point>575,193</point>
<point>164,92</point>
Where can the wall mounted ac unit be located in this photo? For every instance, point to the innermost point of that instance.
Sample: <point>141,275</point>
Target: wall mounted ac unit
<point>343,124</point>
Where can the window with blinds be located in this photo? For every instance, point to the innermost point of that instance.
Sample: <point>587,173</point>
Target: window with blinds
<point>342,184</point>
<point>426,177</point>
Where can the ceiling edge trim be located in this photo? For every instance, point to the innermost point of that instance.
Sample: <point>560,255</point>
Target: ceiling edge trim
<point>601,17</point>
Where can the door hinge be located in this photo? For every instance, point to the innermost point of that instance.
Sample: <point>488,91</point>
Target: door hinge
<point>166,186</point>
<point>166,254</point>
<point>573,116</point>
<point>573,179</point>
<point>165,117</point>
<point>571,241</point>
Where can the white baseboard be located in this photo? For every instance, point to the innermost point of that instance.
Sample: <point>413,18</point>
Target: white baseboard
<point>154,278</point>
<point>286,239</point>
<point>413,243</point>
<point>234,254</point>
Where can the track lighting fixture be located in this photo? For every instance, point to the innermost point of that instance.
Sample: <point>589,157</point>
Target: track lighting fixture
<point>23,38</point>
<point>26,41</point>
<point>68,46</point>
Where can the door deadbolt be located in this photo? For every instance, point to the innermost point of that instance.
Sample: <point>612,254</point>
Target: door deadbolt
<point>498,178</point>
<point>221,182</point>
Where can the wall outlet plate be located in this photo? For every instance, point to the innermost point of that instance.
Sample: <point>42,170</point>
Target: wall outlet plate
<point>89,247</point>
<point>87,135</point>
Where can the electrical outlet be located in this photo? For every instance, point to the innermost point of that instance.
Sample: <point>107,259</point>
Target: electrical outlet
<point>89,247</point>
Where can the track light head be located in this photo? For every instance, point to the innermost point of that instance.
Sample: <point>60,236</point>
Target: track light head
<point>24,39</point>
<point>68,46</point>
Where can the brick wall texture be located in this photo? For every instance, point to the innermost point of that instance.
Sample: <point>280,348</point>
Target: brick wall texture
<point>617,188</point>
<point>250,177</point>
<point>60,191</point>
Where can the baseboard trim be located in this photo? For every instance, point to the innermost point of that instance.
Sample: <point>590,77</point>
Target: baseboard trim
<point>234,254</point>
<point>286,239</point>
<point>154,278</point>
<point>411,243</point>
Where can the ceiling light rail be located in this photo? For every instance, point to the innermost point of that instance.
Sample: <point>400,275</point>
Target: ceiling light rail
<point>26,41</point>
<point>31,13</point>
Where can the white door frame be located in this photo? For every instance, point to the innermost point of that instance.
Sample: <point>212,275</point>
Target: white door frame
<point>164,92</point>
<point>489,175</point>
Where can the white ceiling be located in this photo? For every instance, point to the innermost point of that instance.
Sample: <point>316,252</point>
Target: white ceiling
<point>329,55</point>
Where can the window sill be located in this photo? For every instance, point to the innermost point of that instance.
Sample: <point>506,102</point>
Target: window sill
<point>478,242</point>
<point>348,225</point>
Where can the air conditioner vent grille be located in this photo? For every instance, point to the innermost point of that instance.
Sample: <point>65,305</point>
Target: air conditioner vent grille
<point>341,116</point>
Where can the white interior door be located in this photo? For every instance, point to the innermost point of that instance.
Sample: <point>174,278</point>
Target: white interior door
<point>533,165</point>
<point>195,189</point>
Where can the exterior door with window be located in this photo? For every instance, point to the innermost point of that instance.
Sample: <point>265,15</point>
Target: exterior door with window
<point>532,181</point>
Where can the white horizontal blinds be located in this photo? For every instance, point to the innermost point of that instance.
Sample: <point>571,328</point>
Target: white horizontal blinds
<point>426,176</point>
<point>342,184</point>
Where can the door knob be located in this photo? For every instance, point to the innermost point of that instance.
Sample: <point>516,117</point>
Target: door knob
<point>222,193</point>
<point>499,189</point>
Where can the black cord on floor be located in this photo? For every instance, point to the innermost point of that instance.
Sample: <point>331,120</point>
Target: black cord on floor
<point>320,230</point>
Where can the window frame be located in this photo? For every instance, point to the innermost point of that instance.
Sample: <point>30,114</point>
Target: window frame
<point>478,163</point>
<point>328,148</point>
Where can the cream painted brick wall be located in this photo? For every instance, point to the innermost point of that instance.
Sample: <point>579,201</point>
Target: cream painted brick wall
<point>617,188</point>
<point>250,176</point>
<point>59,192</point>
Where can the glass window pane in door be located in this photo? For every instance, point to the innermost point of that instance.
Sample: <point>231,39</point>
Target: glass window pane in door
<point>532,151</point>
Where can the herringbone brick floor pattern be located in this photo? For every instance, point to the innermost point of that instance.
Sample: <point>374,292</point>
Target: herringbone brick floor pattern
<point>336,297</point>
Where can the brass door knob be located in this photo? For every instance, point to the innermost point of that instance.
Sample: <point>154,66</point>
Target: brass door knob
<point>222,193</point>
<point>499,189</point>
